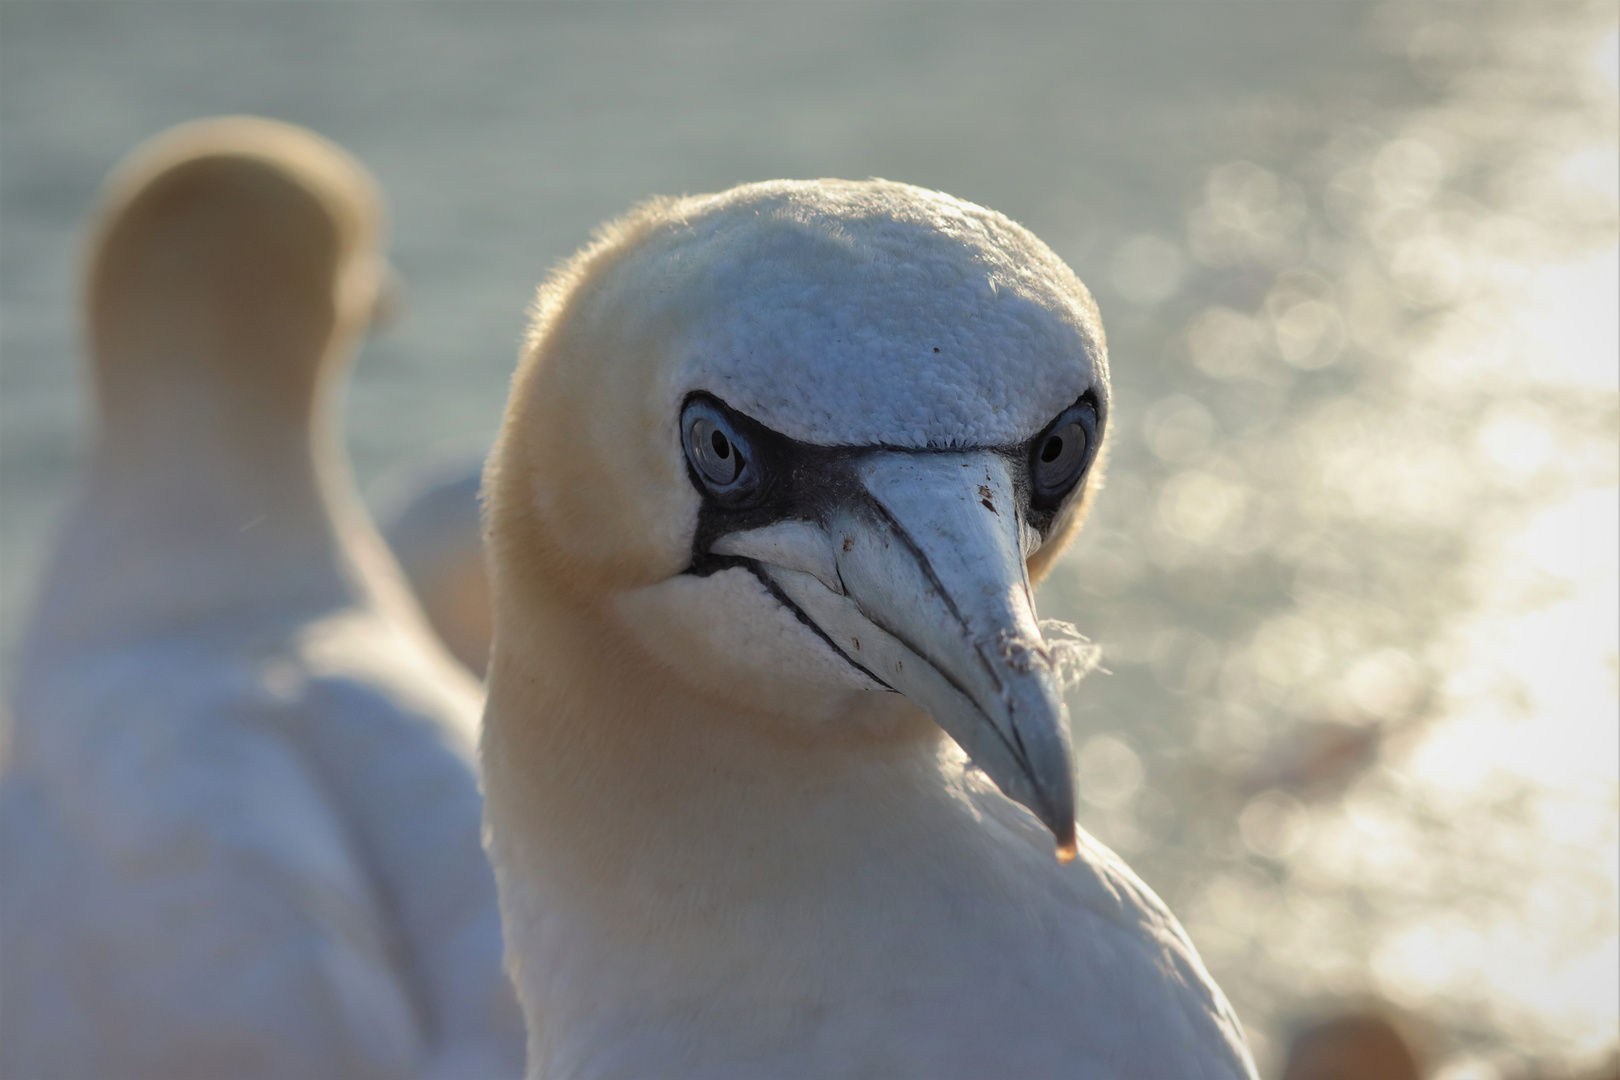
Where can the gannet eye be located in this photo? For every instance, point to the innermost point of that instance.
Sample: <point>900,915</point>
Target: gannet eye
<point>721,458</point>
<point>1060,454</point>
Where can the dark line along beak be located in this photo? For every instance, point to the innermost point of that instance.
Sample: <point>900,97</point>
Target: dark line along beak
<point>920,579</point>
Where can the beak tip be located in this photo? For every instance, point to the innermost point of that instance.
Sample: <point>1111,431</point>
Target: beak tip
<point>1068,845</point>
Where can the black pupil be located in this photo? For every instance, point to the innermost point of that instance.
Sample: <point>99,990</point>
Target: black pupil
<point>1053,447</point>
<point>722,448</point>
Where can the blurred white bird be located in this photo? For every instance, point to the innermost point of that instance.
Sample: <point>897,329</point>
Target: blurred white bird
<point>777,471</point>
<point>239,830</point>
<point>429,514</point>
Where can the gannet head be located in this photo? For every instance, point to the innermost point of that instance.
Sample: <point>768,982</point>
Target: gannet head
<point>231,258</point>
<point>806,443</point>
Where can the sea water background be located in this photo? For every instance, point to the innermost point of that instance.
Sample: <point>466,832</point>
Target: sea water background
<point>1354,573</point>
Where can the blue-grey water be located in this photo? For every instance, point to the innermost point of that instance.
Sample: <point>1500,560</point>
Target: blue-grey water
<point>1354,571</point>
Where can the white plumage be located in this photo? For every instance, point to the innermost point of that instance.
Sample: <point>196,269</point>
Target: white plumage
<point>769,455</point>
<point>239,830</point>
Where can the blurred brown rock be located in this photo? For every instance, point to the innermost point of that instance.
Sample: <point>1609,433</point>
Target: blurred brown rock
<point>1360,1045</point>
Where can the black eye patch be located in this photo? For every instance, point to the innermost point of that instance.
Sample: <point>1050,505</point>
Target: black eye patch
<point>751,476</point>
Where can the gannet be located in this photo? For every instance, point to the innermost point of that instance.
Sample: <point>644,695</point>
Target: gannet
<point>240,831</point>
<point>777,768</point>
<point>432,522</point>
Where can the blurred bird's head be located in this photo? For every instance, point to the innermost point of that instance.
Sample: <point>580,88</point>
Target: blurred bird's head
<point>235,256</point>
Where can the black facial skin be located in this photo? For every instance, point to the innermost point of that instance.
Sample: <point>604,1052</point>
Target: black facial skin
<point>795,481</point>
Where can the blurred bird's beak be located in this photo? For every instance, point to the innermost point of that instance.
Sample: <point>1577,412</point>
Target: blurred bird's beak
<point>916,574</point>
<point>389,304</point>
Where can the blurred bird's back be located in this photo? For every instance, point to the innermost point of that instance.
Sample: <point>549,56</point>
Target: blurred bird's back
<point>430,515</point>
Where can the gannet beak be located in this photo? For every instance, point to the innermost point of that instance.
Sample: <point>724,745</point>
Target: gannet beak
<point>916,573</point>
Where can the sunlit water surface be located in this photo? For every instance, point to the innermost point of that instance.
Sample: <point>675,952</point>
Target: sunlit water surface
<point>1383,540</point>
<point>1354,573</point>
